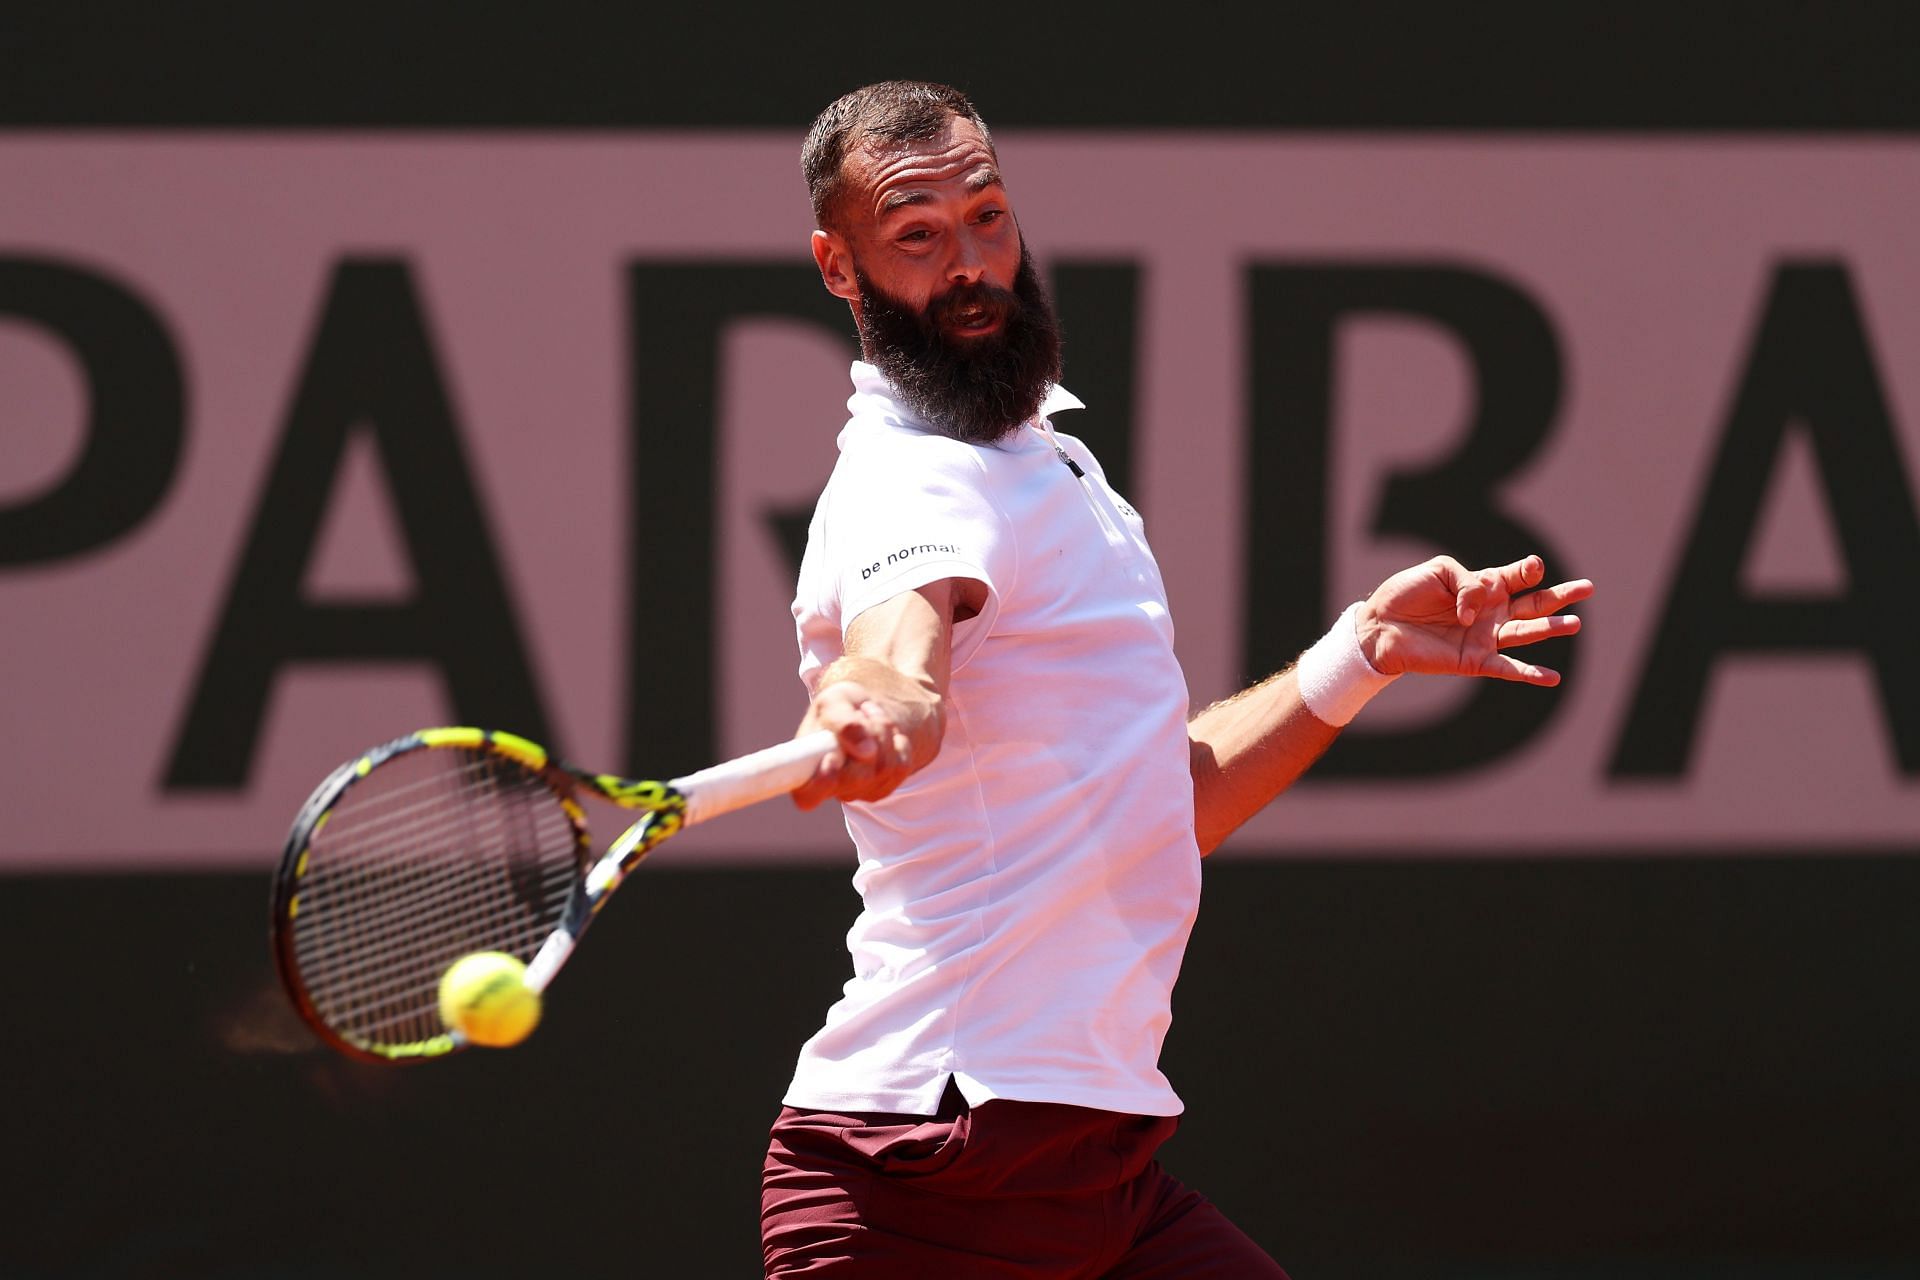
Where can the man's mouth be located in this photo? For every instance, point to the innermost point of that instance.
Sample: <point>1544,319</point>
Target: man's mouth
<point>972,321</point>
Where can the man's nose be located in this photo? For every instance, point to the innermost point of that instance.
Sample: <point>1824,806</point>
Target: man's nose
<point>967,264</point>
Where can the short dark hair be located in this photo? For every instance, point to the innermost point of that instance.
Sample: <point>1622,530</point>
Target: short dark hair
<point>892,111</point>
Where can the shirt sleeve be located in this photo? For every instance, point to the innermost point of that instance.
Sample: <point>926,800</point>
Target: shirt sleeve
<point>904,512</point>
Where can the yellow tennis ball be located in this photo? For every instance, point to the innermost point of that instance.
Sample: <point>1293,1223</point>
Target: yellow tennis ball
<point>485,995</point>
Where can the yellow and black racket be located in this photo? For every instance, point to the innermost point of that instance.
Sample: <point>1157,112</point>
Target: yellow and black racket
<point>448,842</point>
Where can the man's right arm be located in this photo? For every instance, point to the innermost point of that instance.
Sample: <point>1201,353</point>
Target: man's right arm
<point>885,697</point>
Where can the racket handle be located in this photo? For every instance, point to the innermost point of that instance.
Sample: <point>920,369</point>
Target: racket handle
<point>547,961</point>
<point>750,779</point>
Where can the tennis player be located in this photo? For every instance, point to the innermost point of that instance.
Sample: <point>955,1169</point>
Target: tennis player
<point>983,626</point>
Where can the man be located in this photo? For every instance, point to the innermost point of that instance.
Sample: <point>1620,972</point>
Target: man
<point>983,626</point>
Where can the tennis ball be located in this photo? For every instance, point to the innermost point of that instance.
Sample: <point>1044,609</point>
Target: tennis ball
<point>485,995</point>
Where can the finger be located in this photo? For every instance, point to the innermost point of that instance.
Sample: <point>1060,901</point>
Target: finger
<point>873,789</point>
<point>889,767</point>
<point>820,786</point>
<point>1468,586</point>
<point>888,741</point>
<point>1490,585</point>
<point>874,774</point>
<point>1501,667</point>
<point>857,740</point>
<point>1532,630</point>
<point>1471,598</point>
<point>1522,574</point>
<point>868,784</point>
<point>1548,600</point>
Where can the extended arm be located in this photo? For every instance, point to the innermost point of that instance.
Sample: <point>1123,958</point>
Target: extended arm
<point>885,696</point>
<point>1437,618</point>
<point>1247,750</point>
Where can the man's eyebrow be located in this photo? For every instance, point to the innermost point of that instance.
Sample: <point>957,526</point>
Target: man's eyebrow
<point>982,179</point>
<point>977,181</point>
<point>901,199</point>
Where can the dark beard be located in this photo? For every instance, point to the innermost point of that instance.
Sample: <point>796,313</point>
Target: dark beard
<point>975,389</point>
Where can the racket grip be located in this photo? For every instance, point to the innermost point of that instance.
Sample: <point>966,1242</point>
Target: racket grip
<point>547,961</point>
<point>750,779</point>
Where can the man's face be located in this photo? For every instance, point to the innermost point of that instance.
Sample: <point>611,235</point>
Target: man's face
<point>946,298</point>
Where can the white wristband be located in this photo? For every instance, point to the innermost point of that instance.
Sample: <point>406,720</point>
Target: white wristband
<point>1336,680</point>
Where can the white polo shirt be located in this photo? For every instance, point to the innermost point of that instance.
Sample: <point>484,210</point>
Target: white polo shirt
<point>1028,894</point>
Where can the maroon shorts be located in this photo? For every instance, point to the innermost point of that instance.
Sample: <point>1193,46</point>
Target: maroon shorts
<point>1033,1190</point>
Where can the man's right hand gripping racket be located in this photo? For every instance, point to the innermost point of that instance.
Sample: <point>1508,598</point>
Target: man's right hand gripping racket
<point>449,842</point>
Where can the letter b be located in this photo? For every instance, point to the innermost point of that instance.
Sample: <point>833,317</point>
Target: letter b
<point>1453,505</point>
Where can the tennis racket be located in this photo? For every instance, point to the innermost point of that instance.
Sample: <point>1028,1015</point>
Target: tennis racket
<point>450,841</point>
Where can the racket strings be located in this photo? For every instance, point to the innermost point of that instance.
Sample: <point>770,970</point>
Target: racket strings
<point>481,769</point>
<point>376,960</point>
<point>432,855</point>
<point>476,891</point>
<point>390,960</point>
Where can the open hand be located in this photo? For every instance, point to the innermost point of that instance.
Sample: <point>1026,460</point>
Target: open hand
<point>1441,618</point>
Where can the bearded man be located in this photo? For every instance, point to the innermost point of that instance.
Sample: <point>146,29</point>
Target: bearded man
<point>983,626</point>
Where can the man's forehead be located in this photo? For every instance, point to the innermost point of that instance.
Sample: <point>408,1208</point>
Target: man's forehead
<point>891,171</point>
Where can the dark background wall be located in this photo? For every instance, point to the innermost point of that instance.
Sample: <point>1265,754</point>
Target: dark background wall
<point>1504,66</point>
<point>1656,1065</point>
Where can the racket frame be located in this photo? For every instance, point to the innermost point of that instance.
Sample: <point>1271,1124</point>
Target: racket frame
<point>665,808</point>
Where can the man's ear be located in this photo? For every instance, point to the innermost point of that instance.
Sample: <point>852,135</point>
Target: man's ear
<point>834,257</point>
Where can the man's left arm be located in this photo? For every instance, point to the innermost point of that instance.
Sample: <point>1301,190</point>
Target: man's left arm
<point>1437,618</point>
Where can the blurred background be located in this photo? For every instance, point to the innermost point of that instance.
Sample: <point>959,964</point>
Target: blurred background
<point>363,368</point>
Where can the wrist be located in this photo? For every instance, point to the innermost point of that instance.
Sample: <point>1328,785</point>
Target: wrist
<point>911,706</point>
<point>1335,678</point>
